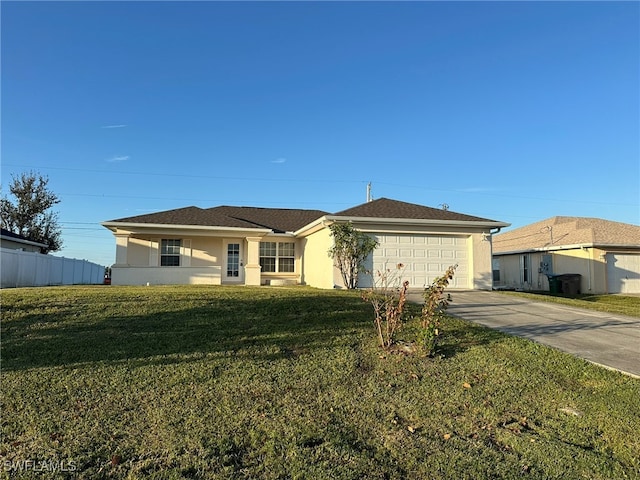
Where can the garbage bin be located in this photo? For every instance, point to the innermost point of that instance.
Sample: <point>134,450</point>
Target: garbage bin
<point>570,283</point>
<point>555,284</point>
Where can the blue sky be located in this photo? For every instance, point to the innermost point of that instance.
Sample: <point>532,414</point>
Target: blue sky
<point>510,111</point>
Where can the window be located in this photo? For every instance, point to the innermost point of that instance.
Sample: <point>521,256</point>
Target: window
<point>525,268</point>
<point>277,257</point>
<point>233,260</point>
<point>495,263</point>
<point>268,256</point>
<point>170,252</point>
<point>286,257</point>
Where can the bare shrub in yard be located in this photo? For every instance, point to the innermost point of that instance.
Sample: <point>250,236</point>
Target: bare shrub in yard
<point>433,311</point>
<point>388,296</point>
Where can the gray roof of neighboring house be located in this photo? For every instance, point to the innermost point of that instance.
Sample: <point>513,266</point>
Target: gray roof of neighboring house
<point>9,235</point>
<point>558,231</point>
<point>290,220</point>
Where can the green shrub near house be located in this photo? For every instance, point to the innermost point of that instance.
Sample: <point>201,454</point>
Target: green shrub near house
<point>217,382</point>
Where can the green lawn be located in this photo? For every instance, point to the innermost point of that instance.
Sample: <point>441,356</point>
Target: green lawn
<point>217,382</point>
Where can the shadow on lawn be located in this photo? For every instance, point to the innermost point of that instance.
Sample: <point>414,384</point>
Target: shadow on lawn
<point>263,328</point>
<point>95,329</point>
<point>459,335</point>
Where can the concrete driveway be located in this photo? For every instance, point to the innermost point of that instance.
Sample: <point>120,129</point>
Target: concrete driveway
<point>610,340</point>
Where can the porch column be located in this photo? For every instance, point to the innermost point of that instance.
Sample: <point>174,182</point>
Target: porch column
<point>252,268</point>
<point>122,242</point>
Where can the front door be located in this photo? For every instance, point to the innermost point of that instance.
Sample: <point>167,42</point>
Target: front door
<point>234,270</point>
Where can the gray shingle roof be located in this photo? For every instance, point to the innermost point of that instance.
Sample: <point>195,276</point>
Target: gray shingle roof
<point>386,208</point>
<point>276,219</point>
<point>290,220</point>
<point>567,231</point>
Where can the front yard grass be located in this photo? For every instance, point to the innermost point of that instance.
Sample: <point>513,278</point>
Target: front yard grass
<point>221,382</point>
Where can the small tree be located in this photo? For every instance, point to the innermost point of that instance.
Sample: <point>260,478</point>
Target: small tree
<point>31,216</point>
<point>350,249</point>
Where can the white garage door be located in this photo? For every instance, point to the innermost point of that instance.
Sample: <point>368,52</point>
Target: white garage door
<point>425,257</point>
<point>623,272</point>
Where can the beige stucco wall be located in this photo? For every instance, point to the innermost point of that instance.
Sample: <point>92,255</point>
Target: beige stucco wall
<point>202,251</point>
<point>204,257</point>
<point>318,270</point>
<point>316,267</point>
<point>138,261</point>
<point>165,275</point>
<point>206,251</point>
<point>480,264</point>
<point>203,261</point>
<point>509,272</point>
<point>574,261</point>
<point>587,262</point>
<point>598,271</point>
<point>511,276</point>
<point>138,252</point>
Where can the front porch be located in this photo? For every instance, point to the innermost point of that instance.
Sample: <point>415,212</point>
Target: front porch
<point>163,258</point>
<point>129,275</point>
<point>121,275</point>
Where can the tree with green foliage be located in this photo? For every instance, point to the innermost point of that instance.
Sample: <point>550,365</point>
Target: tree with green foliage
<point>350,249</point>
<point>31,215</point>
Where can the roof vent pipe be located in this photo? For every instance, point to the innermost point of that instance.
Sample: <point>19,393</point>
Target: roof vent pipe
<point>368,192</point>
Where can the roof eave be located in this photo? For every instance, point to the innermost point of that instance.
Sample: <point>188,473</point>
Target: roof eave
<point>23,241</point>
<point>552,248</point>
<point>312,227</point>
<point>329,219</point>
<point>114,226</point>
<point>616,245</point>
<point>419,221</point>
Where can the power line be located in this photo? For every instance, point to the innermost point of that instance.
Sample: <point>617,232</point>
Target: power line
<point>182,175</point>
<point>289,180</point>
<point>523,197</point>
<point>66,229</point>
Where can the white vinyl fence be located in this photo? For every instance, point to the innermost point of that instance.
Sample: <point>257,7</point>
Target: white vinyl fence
<point>31,269</point>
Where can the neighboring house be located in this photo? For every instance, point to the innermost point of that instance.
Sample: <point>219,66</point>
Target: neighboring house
<point>14,241</point>
<point>268,246</point>
<point>606,254</point>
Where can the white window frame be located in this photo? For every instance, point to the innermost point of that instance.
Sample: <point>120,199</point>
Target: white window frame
<point>278,257</point>
<point>168,248</point>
